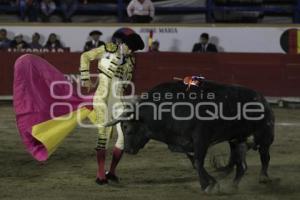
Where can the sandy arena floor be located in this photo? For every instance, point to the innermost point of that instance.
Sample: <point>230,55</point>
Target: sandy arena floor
<point>154,174</point>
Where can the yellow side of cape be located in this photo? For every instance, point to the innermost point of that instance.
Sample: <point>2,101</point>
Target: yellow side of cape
<point>52,132</point>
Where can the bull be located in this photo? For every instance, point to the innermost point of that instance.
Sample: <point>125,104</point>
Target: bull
<point>190,119</point>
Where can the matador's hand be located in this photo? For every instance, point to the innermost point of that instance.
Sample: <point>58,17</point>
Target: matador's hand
<point>87,84</point>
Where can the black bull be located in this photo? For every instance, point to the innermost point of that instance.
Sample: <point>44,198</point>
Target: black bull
<point>191,120</point>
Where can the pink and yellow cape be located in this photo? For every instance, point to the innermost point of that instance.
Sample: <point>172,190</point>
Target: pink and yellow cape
<point>40,116</point>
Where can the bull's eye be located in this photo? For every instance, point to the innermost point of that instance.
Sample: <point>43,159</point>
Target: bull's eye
<point>126,128</point>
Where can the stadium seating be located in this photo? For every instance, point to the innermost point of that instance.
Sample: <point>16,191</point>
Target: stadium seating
<point>214,10</point>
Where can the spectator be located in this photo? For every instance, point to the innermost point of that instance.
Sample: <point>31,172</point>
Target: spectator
<point>35,43</point>
<point>68,8</point>
<point>28,8</point>
<point>204,46</point>
<point>141,11</point>
<point>53,42</point>
<point>4,41</point>
<point>94,42</point>
<point>18,43</point>
<point>155,46</point>
<point>47,9</point>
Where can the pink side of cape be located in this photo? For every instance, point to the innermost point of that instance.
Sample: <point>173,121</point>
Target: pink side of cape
<point>32,98</point>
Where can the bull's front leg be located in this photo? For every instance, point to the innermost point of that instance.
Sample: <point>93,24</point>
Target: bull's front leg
<point>227,169</point>
<point>191,157</point>
<point>207,182</point>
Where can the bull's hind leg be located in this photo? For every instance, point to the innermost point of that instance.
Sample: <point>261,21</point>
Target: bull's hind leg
<point>264,141</point>
<point>240,156</point>
<point>265,159</point>
<point>237,157</point>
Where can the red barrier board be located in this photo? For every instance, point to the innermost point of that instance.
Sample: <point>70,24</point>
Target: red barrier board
<point>272,74</point>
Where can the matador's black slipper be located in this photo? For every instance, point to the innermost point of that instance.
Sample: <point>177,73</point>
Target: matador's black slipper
<point>101,181</point>
<point>112,177</point>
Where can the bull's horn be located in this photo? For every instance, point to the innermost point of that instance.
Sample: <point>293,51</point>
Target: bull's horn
<point>132,101</point>
<point>119,119</point>
<point>112,122</point>
<point>177,78</point>
<point>135,99</point>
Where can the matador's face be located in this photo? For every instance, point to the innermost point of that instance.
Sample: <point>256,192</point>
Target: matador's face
<point>124,50</point>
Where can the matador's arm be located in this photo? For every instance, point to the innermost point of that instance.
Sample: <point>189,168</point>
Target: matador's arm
<point>85,60</point>
<point>94,54</point>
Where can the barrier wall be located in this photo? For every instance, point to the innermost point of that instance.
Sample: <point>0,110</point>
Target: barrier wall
<point>272,74</point>
<point>175,38</point>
